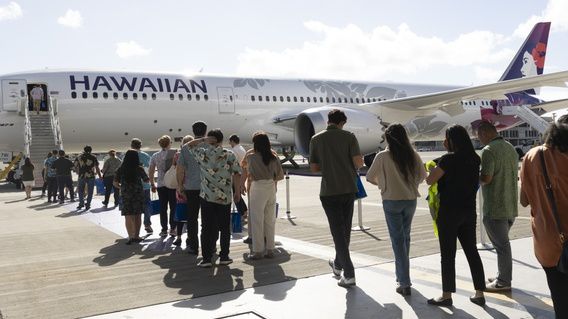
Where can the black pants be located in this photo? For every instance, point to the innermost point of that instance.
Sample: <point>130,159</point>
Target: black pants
<point>460,225</point>
<point>167,198</point>
<point>193,204</point>
<point>215,218</point>
<point>51,188</point>
<point>62,182</point>
<point>44,186</point>
<point>240,205</point>
<point>558,285</point>
<point>107,180</point>
<point>339,212</point>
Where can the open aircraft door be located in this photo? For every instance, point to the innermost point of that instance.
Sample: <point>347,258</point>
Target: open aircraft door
<point>12,92</point>
<point>226,100</point>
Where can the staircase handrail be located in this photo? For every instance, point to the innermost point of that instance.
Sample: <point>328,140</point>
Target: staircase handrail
<point>55,125</point>
<point>534,120</point>
<point>4,173</point>
<point>27,129</point>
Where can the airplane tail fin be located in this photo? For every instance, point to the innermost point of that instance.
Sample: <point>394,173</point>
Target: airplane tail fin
<point>529,60</point>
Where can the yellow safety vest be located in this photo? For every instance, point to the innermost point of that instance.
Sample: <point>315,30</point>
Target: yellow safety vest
<point>433,198</point>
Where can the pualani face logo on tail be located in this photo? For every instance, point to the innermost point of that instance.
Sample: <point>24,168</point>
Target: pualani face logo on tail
<point>529,60</point>
<point>136,84</point>
<point>533,62</point>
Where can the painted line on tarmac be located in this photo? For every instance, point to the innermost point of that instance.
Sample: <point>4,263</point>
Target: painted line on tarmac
<point>381,205</point>
<point>325,252</point>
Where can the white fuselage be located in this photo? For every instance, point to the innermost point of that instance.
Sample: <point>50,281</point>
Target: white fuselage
<point>107,109</point>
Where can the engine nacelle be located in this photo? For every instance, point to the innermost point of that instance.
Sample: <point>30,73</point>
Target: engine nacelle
<point>365,125</point>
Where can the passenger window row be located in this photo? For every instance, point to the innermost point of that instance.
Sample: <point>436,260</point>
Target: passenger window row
<point>135,96</point>
<point>475,103</point>
<point>253,98</point>
<point>314,99</point>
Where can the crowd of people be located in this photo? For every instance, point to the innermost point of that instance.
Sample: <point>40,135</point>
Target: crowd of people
<point>454,181</point>
<point>210,178</point>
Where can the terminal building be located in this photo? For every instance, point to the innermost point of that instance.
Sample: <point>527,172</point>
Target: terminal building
<point>523,137</point>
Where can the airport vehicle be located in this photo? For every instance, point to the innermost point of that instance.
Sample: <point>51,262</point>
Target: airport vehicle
<point>106,109</point>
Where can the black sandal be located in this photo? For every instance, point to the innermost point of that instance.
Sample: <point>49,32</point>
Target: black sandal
<point>441,303</point>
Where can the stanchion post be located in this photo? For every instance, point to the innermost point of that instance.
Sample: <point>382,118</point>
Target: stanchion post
<point>483,245</point>
<point>360,194</point>
<point>360,226</point>
<point>288,214</point>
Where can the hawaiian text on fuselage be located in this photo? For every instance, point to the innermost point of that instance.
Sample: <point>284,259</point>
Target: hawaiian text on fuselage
<point>133,84</point>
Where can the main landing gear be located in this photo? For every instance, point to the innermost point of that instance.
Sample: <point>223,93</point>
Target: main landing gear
<point>289,157</point>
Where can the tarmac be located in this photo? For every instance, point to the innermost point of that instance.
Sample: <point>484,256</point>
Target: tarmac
<point>58,262</point>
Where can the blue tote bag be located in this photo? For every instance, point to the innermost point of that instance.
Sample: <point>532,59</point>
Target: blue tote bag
<point>361,193</point>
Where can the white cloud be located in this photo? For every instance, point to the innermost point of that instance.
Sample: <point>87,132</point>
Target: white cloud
<point>129,49</point>
<point>487,75</point>
<point>72,19</point>
<point>350,52</point>
<point>554,12</point>
<point>10,12</point>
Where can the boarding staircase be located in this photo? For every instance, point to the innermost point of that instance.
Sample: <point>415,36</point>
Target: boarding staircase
<point>43,134</point>
<point>530,117</point>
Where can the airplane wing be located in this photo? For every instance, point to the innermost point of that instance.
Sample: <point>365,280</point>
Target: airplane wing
<point>445,99</point>
<point>551,105</point>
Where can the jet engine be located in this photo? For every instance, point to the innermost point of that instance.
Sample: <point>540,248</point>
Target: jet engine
<point>365,125</point>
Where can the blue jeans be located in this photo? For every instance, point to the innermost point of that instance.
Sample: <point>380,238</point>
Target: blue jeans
<point>498,233</point>
<point>148,208</point>
<point>90,188</point>
<point>399,214</point>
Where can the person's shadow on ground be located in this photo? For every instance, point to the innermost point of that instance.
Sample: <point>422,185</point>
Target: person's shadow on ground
<point>44,206</point>
<point>119,251</point>
<point>421,308</point>
<point>360,305</point>
<point>115,253</point>
<point>193,281</point>
<point>268,271</point>
<point>535,306</point>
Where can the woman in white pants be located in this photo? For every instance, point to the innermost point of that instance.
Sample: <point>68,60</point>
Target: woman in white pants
<point>262,169</point>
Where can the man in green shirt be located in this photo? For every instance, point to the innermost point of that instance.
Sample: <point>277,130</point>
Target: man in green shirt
<point>499,180</point>
<point>335,153</point>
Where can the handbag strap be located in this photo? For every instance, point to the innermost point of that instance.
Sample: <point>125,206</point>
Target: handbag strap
<point>550,194</point>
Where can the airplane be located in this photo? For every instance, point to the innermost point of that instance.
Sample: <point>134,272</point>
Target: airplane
<point>105,109</point>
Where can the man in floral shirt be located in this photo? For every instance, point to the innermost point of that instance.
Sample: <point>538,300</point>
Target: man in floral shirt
<point>220,171</point>
<point>86,164</point>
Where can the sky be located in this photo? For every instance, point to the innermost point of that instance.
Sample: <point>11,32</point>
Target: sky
<point>438,41</point>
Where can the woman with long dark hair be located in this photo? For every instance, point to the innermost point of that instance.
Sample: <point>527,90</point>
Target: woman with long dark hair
<point>129,178</point>
<point>262,170</point>
<point>457,175</point>
<point>398,171</point>
<point>28,177</point>
<point>546,237</point>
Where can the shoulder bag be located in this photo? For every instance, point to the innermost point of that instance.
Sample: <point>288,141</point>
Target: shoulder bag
<point>562,265</point>
<point>170,179</point>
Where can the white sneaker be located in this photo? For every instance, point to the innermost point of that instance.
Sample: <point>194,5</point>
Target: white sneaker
<point>346,282</point>
<point>495,286</point>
